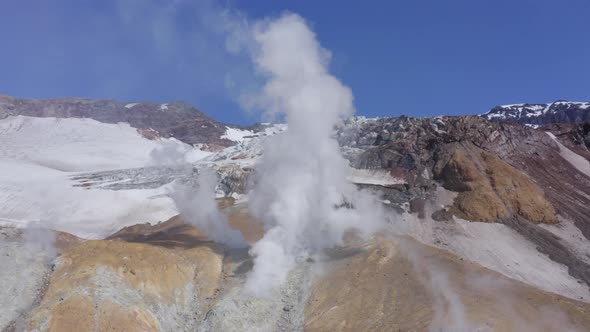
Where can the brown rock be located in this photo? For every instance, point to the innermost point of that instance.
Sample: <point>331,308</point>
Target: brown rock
<point>131,286</point>
<point>490,189</point>
<point>406,286</point>
<point>442,215</point>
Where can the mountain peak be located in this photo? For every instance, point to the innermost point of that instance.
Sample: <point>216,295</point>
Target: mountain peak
<point>560,111</point>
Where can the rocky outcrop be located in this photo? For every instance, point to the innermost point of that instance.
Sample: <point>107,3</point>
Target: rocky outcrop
<point>26,259</point>
<point>575,136</point>
<point>162,277</point>
<point>159,284</point>
<point>466,154</point>
<point>501,173</point>
<point>490,189</point>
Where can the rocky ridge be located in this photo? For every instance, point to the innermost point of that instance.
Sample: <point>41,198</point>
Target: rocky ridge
<point>175,119</point>
<point>537,115</point>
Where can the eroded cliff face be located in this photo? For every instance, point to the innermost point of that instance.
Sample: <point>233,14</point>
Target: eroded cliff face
<point>478,159</point>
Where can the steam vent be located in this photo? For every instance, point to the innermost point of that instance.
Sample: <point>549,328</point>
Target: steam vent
<point>333,167</point>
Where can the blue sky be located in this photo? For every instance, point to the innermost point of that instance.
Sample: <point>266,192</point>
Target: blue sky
<point>418,58</point>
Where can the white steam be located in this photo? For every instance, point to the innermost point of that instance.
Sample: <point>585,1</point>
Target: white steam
<point>301,193</point>
<point>199,208</point>
<point>169,153</point>
<point>40,239</point>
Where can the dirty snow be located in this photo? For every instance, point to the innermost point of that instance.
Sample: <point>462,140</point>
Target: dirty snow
<point>374,176</point>
<point>492,245</point>
<point>579,162</point>
<point>571,237</point>
<point>496,247</point>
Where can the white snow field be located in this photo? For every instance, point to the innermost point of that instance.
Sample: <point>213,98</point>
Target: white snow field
<point>39,155</point>
<point>237,135</point>
<point>376,177</point>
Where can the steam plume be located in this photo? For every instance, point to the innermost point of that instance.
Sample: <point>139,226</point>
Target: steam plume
<point>301,193</point>
<point>39,239</point>
<point>199,208</point>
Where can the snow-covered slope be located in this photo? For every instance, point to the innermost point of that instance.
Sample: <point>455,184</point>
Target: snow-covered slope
<point>39,156</point>
<point>536,115</point>
<point>91,178</point>
<point>73,145</point>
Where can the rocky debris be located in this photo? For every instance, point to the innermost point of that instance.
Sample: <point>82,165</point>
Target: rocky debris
<point>565,187</point>
<point>417,206</point>
<point>552,246</point>
<point>235,179</point>
<point>151,134</point>
<point>398,284</point>
<point>442,215</point>
<point>537,115</point>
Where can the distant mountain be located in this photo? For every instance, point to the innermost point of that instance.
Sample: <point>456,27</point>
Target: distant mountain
<point>175,119</point>
<point>536,115</point>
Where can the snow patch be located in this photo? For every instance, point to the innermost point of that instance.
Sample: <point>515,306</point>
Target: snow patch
<point>237,135</point>
<point>74,145</point>
<point>34,193</point>
<point>374,177</point>
<point>274,129</point>
<point>38,157</point>
<point>579,162</point>
<point>530,110</point>
<point>128,106</point>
